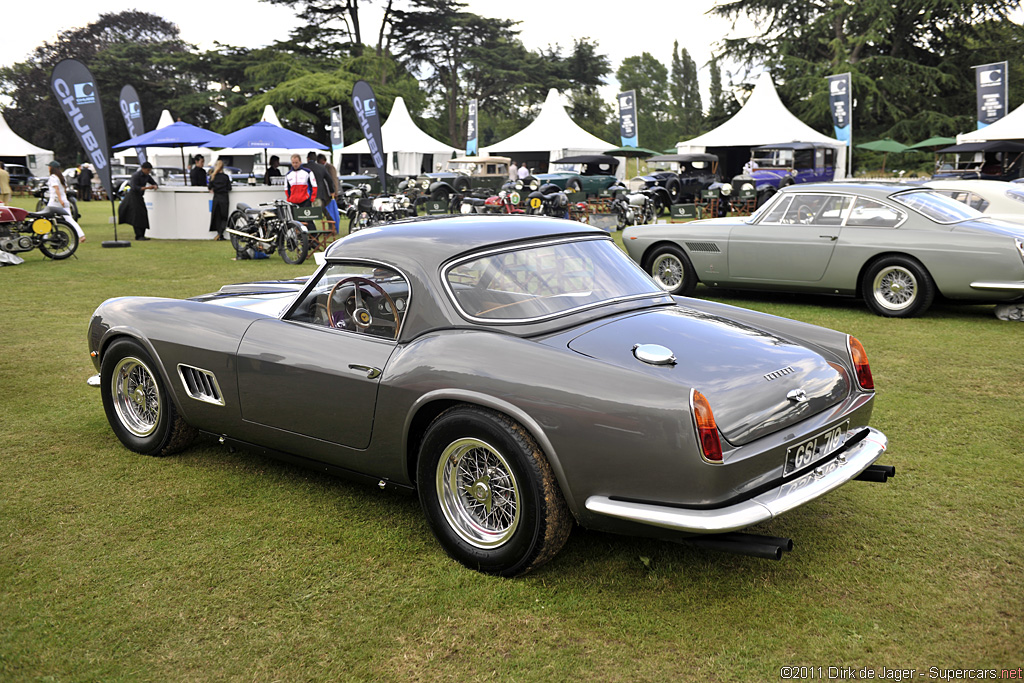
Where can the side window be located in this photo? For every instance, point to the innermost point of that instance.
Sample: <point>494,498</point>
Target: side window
<point>362,298</point>
<point>803,158</point>
<point>809,209</point>
<point>830,156</point>
<point>869,213</point>
<point>778,211</point>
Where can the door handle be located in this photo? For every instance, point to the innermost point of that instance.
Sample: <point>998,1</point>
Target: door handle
<point>371,372</point>
<point>829,237</point>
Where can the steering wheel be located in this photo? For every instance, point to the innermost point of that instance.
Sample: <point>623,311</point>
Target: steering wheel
<point>359,313</point>
<point>805,214</point>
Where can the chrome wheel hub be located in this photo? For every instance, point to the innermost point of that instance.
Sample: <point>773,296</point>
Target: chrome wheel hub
<point>478,493</point>
<point>895,288</point>
<point>667,272</point>
<point>136,397</point>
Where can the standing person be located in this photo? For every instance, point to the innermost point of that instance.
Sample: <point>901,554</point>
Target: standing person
<point>197,176</point>
<point>85,175</point>
<point>323,183</point>
<point>513,171</point>
<point>5,185</point>
<point>58,188</point>
<point>133,207</point>
<point>220,186</point>
<point>300,186</point>
<point>524,172</point>
<point>332,205</point>
<point>272,170</point>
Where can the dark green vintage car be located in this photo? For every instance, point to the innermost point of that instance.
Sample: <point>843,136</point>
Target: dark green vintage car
<point>591,174</point>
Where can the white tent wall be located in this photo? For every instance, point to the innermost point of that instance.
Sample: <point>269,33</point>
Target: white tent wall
<point>403,141</point>
<point>13,145</point>
<point>764,120</point>
<point>552,133</point>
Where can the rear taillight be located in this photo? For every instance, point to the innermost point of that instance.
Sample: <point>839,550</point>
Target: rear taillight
<point>707,430</point>
<point>860,364</point>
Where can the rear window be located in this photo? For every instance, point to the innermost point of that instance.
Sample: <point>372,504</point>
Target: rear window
<point>937,207</point>
<point>545,281</point>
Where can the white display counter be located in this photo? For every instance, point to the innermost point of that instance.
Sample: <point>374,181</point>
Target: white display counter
<point>183,213</point>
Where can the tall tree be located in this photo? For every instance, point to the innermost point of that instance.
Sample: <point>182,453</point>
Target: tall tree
<point>126,47</point>
<point>647,76</point>
<point>906,58</point>
<point>685,106</point>
<point>718,108</point>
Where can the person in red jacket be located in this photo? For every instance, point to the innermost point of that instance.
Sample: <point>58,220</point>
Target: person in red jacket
<point>299,184</point>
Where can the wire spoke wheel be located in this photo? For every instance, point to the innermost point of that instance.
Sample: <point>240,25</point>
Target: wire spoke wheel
<point>667,271</point>
<point>137,399</point>
<point>478,493</point>
<point>895,288</point>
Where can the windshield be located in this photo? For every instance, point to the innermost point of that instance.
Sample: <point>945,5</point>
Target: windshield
<point>545,281</point>
<point>937,207</point>
<point>773,158</point>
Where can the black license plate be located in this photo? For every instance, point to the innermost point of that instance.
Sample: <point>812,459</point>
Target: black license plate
<point>810,451</point>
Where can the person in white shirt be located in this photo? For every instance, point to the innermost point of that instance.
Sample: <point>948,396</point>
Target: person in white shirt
<point>57,186</point>
<point>513,171</point>
<point>524,172</point>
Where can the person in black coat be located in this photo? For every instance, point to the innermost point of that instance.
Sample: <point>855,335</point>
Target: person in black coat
<point>85,175</point>
<point>133,208</point>
<point>220,186</point>
<point>273,170</point>
<point>197,176</point>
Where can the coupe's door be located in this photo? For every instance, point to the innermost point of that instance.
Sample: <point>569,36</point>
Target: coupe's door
<point>793,242</point>
<point>311,380</point>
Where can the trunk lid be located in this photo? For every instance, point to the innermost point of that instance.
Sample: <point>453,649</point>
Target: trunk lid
<point>745,373</point>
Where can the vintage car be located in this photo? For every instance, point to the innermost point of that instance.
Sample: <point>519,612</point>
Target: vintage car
<point>895,246</point>
<point>591,174</point>
<point>790,163</point>
<point>995,198</point>
<point>520,374</point>
<point>989,160</point>
<point>477,176</point>
<point>687,176</point>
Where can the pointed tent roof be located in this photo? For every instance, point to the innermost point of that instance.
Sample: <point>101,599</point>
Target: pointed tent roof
<point>401,134</point>
<point>270,116</point>
<point>1010,127</point>
<point>13,145</point>
<point>552,131</point>
<point>165,120</point>
<point>763,120</point>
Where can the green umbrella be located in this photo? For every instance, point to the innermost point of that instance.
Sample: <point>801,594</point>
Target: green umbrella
<point>885,146</point>
<point>938,141</point>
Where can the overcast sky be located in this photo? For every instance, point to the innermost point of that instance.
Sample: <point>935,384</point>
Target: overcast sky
<point>621,29</point>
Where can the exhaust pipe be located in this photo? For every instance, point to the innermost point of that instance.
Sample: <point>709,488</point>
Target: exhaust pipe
<point>767,547</point>
<point>249,235</point>
<point>877,473</point>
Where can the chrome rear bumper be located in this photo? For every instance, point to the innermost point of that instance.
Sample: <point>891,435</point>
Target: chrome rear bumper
<point>846,466</point>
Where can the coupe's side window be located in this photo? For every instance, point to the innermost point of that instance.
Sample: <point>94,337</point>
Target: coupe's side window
<point>357,297</point>
<point>809,209</point>
<point>869,213</point>
<point>969,198</point>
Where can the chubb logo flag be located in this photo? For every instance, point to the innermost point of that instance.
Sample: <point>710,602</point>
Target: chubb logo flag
<point>840,102</point>
<point>73,85</point>
<point>627,118</point>
<point>131,112</point>
<point>365,104</point>
<point>990,80</point>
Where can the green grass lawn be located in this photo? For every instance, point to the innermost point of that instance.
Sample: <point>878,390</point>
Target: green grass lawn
<point>219,565</point>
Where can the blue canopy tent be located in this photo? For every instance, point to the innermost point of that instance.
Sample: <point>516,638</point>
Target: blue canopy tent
<point>265,135</point>
<point>178,134</point>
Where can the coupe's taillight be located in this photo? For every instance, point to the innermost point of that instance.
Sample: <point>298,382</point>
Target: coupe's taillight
<point>860,363</point>
<point>707,430</point>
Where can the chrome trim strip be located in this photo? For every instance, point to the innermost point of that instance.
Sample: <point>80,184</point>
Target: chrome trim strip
<point>758,509</point>
<point>1005,286</point>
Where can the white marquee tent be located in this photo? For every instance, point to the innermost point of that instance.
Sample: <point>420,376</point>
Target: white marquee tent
<point>553,132</point>
<point>404,142</point>
<point>1010,127</point>
<point>13,145</point>
<point>763,120</point>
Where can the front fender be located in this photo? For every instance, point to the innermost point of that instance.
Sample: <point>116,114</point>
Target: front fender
<point>441,185</point>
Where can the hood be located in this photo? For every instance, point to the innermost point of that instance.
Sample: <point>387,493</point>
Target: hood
<point>267,297</point>
<point>744,372</point>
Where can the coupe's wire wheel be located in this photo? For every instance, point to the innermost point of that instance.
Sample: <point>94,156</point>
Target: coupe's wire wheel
<point>136,396</point>
<point>667,271</point>
<point>895,288</point>
<point>478,492</point>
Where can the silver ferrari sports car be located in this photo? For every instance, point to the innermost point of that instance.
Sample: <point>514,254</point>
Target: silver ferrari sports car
<point>895,246</point>
<point>519,374</point>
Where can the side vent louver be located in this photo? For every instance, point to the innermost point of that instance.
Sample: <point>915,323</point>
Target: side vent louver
<point>201,385</point>
<point>709,247</point>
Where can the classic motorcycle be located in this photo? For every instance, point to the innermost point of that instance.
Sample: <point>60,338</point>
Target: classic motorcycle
<point>43,193</point>
<point>548,200</point>
<point>46,230</point>
<point>266,229</point>
<point>365,211</point>
<point>634,208</point>
<point>503,202</point>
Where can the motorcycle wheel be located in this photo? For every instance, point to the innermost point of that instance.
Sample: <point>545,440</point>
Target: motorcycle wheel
<point>60,243</point>
<point>40,205</point>
<point>238,221</point>
<point>74,209</point>
<point>293,244</point>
